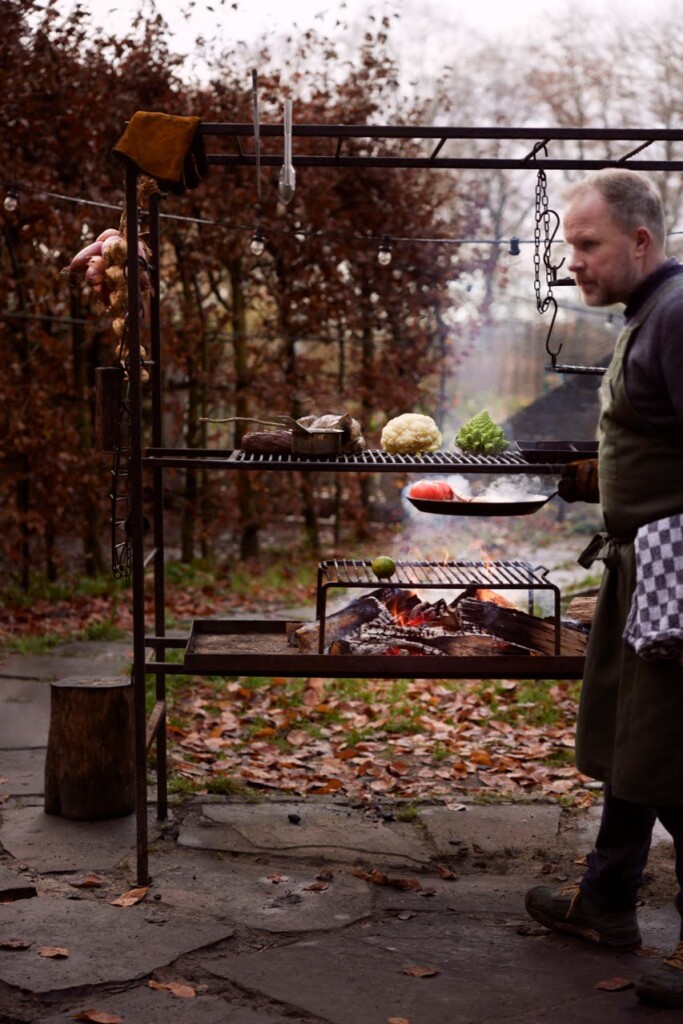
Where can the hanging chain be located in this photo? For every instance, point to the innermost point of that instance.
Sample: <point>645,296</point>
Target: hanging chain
<point>544,302</point>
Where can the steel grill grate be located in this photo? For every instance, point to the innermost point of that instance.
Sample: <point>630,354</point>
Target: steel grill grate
<point>356,572</point>
<point>371,459</point>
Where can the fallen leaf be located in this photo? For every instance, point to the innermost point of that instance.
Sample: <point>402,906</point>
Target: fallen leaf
<point>87,882</point>
<point>446,872</point>
<point>325,875</point>
<point>53,952</point>
<point>648,951</point>
<point>614,984</point>
<point>581,860</point>
<point>397,1020</point>
<point>379,878</point>
<point>176,988</point>
<point>276,879</point>
<point>418,971</point>
<point>316,887</point>
<point>98,1017</point>
<point>14,944</point>
<point>405,915</point>
<point>130,898</point>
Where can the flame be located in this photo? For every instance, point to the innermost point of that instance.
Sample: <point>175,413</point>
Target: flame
<point>493,598</point>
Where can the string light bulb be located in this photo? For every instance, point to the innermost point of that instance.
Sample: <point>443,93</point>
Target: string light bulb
<point>11,200</point>
<point>384,251</point>
<point>258,242</point>
<point>514,249</point>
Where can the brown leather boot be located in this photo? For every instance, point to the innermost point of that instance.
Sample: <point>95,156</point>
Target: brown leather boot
<point>664,985</point>
<point>570,910</point>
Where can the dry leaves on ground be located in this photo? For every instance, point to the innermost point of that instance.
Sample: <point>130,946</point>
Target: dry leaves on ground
<point>99,1017</point>
<point>177,988</point>
<point>90,881</point>
<point>614,984</point>
<point>380,878</point>
<point>321,737</point>
<point>420,971</point>
<point>16,944</point>
<point>54,952</point>
<point>130,898</point>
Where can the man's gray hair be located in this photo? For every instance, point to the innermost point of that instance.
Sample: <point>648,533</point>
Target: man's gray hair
<point>632,197</point>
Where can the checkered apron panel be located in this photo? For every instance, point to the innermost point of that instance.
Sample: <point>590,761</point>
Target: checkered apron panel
<point>654,627</point>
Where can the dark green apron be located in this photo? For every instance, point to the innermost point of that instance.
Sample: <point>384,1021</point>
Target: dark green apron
<point>630,723</point>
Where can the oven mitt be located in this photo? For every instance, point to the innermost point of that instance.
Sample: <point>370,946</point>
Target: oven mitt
<point>165,147</point>
<point>579,481</point>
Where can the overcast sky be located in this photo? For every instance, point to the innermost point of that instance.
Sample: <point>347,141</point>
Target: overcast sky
<point>248,20</point>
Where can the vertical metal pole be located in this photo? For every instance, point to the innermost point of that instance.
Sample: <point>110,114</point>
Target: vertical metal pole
<point>135,525</point>
<point>158,499</point>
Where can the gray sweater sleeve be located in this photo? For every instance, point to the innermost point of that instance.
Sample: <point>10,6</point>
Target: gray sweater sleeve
<point>654,365</point>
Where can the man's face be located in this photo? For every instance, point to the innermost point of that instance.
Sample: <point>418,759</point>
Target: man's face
<point>603,259</point>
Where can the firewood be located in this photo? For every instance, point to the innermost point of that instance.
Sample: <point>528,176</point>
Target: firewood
<point>582,609</point>
<point>363,609</point>
<point>520,628</point>
<point>380,639</point>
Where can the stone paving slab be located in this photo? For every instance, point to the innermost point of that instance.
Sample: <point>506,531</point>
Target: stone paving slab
<point>588,824</point>
<point>106,944</point>
<point>76,663</point>
<point>49,843</point>
<point>486,973</point>
<point>13,886</point>
<point>274,896</point>
<point>493,829</point>
<point>22,773</point>
<point>330,833</point>
<point>24,715</point>
<point>147,1006</point>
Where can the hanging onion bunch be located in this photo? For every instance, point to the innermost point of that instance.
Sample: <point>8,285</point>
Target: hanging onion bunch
<point>103,267</point>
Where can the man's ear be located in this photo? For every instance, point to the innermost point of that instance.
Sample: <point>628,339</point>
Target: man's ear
<point>642,239</point>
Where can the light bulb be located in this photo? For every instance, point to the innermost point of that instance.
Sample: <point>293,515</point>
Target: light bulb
<point>11,201</point>
<point>384,251</point>
<point>258,242</point>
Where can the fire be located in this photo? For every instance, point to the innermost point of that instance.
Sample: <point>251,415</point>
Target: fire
<point>405,616</point>
<point>491,596</point>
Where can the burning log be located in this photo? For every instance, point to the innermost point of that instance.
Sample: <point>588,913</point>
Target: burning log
<point>371,639</point>
<point>517,627</point>
<point>363,609</point>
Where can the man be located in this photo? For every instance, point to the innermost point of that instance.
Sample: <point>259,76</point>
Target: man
<point>630,722</point>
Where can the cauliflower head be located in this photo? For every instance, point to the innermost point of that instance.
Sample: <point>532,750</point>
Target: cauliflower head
<point>411,434</point>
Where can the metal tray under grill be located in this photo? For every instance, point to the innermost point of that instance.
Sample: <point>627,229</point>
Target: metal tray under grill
<point>258,647</point>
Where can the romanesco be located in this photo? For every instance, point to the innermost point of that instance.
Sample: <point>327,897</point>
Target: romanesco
<point>481,436</point>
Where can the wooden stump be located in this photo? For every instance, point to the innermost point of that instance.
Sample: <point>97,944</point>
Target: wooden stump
<point>90,761</point>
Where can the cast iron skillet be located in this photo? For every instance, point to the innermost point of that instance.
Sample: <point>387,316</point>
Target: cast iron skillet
<point>482,507</point>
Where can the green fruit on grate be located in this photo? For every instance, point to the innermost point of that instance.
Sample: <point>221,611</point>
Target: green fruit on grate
<point>384,567</point>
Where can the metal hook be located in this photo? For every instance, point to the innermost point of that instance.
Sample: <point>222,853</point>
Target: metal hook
<point>550,301</point>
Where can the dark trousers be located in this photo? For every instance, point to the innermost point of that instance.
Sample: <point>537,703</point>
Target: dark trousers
<point>616,865</point>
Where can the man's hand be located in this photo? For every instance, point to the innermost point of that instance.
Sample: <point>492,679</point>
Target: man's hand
<point>579,481</point>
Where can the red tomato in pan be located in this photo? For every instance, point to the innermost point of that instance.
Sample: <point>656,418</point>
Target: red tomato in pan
<point>432,490</point>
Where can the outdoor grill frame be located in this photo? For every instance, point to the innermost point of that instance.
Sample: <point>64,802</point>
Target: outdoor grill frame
<point>531,150</point>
